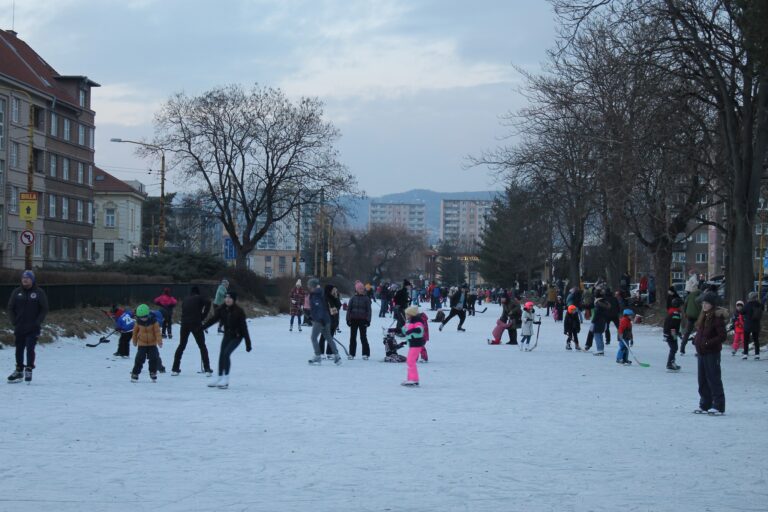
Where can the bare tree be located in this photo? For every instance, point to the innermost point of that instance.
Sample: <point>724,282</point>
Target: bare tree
<point>381,252</point>
<point>257,155</point>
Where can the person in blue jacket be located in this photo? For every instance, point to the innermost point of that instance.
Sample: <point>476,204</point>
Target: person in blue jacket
<point>124,323</point>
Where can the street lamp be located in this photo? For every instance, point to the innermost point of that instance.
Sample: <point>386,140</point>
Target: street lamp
<point>161,238</point>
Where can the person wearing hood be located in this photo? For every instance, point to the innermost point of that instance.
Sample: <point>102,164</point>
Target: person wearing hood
<point>753,315</point>
<point>321,322</point>
<point>297,303</point>
<point>148,339</point>
<point>359,319</point>
<point>334,307</point>
<point>232,317</point>
<point>194,310</point>
<point>166,302</point>
<point>710,336</point>
<point>27,308</point>
<point>218,299</point>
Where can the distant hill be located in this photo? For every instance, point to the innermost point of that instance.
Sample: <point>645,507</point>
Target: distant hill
<point>358,208</point>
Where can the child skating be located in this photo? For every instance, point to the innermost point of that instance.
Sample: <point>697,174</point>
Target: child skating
<point>625,338</point>
<point>738,328</point>
<point>571,328</point>
<point>671,332</point>
<point>148,338</point>
<point>414,334</point>
<point>527,330</point>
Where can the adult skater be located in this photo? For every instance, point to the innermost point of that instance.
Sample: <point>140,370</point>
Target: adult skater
<point>600,318</point>
<point>232,317</point>
<point>27,308</point>
<point>402,301</point>
<point>710,336</point>
<point>458,308</point>
<point>147,338</point>
<point>124,323</point>
<point>359,319</point>
<point>753,315</point>
<point>194,310</point>
<point>297,303</point>
<point>218,299</point>
<point>167,303</point>
<point>321,322</point>
<point>692,310</point>
<point>334,309</point>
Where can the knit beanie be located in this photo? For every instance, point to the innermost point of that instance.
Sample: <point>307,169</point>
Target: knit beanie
<point>412,311</point>
<point>28,274</point>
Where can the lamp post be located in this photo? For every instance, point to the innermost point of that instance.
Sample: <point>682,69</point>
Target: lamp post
<point>161,237</point>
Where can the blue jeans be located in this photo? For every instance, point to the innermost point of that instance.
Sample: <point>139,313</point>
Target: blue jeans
<point>623,354</point>
<point>598,337</point>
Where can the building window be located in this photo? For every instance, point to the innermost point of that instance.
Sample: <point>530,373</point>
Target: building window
<point>38,116</point>
<point>53,165</point>
<point>90,175</point>
<point>54,125</point>
<point>65,248</point>
<point>79,210</point>
<point>65,169</point>
<point>52,247</point>
<point>2,173</point>
<point>51,205</point>
<point>15,109</point>
<point>91,137</point>
<point>109,217</point>
<point>701,257</point>
<point>37,248</point>
<point>81,135</point>
<point>80,172</point>
<point>15,243</point>
<point>109,252</point>
<point>82,98</point>
<point>15,154</point>
<point>91,218</point>
<point>281,265</point>
<point>79,249</point>
<point>13,203</point>
<point>65,208</point>
<point>67,130</point>
<point>2,124</point>
<point>758,228</point>
<point>678,257</point>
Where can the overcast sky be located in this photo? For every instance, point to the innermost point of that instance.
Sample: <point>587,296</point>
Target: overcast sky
<point>413,85</point>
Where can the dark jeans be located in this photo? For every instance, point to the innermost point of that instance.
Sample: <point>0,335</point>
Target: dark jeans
<point>362,326</point>
<point>754,333</point>
<point>400,317</point>
<point>512,335</point>
<point>228,345</point>
<point>329,348</point>
<point>197,332</point>
<point>25,343</point>
<point>672,342</point>
<point>124,344</point>
<point>144,353</point>
<point>574,337</point>
<point>456,312</point>
<point>167,322</point>
<point>711,393</point>
<point>383,309</point>
<point>298,317</point>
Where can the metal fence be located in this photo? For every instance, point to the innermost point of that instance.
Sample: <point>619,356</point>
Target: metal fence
<point>67,296</point>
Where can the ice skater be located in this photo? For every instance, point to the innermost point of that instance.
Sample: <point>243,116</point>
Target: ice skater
<point>27,309</point>
<point>124,323</point>
<point>321,322</point>
<point>571,328</point>
<point>458,308</point>
<point>738,327</point>
<point>232,317</point>
<point>528,323</point>
<point>148,339</point>
<point>413,330</point>
<point>625,337</point>
<point>297,304</point>
<point>671,332</point>
<point>710,336</point>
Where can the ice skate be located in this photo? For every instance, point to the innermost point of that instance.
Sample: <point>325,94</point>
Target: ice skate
<point>214,383</point>
<point>153,377</point>
<point>337,360</point>
<point>134,377</point>
<point>15,377</point>
<point>27,375</point>
<point>223,382</point>
<point>409,383</point>
<point>316,360</point>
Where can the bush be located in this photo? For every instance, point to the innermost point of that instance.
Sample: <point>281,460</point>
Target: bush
<point>180,266</point>
<point>93,276</point>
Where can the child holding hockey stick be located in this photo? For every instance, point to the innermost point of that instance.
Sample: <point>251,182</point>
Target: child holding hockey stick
<point>571,327</point>
<point>625,338</point>
<point>527,330</point>
<point>414,334</point>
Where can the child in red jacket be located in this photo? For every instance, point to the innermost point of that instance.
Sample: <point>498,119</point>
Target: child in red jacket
<point>738,327</point>
<point>625,337</point>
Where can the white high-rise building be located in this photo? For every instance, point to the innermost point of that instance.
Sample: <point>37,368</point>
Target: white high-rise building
<point>463,220</point>
<point>412,216</point>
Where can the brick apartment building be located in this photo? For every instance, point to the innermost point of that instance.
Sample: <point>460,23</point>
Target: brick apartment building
<point>59,109</point>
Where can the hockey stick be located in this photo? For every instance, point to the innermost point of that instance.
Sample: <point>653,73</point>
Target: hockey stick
<point>538,330</point>
<point>341,345</point>
<point>103,339</point>
<point>626,344</point>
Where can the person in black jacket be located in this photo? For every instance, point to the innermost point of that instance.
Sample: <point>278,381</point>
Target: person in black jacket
<point>194,309</point>
<point>671,332</point>
<point>27,308</point>
<point>571,327</point>
<point>402,301</point>
<point>359,319</point>
<point>458,307</point>
<point>753,315</point>
<point>334,308</point>
<point>232,317</point>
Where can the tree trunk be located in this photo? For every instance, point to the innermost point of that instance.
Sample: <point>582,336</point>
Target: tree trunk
<point>740,271</point>
<point>574,266</point>
<point>615,246</point>
<point>662,261</point>
<point>241,259</point>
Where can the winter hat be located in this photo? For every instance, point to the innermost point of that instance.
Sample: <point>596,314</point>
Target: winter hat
<point>232,295</point>
<point>571,309</point>
<point>529,305</point>
<point>676,302</point>
<point>298,283</point>
<point>412,311</point>
<point>359,287</point>
<point>142,311</point>
<point>709,298</point>
<point>194,290</point>
<point>313,283</point>
<point>628,312</point>
<point>751,297</point>
<point>740,303</point>
<point>29,275</point>
<point>225,282</point>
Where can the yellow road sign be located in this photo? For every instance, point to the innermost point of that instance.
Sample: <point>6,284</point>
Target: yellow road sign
<point>28,206</point>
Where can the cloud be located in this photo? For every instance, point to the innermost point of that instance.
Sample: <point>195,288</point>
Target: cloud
<point>125,105</point>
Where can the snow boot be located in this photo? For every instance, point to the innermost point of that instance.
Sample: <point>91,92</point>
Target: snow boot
<point>16,376</point>
<point>215,383</point>
<point>134,377</point>
<point>224,382</point>
<point>27,374</point>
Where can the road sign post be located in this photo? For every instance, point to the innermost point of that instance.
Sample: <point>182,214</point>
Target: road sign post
<point>27,237</point>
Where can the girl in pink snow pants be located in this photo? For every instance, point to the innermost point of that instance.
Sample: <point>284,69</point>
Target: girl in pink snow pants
<point>414,334</point>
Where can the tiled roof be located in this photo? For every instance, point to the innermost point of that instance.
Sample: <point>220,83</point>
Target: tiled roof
<point>105,182</point>
<point>23,64</point>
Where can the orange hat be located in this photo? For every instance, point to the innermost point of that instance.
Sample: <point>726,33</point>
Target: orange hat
<point>571,308</point>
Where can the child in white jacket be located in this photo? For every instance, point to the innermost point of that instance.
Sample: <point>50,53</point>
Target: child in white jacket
<point>527,329</point>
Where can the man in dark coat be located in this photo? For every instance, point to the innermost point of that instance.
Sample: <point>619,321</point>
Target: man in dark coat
<point>402,301</point>
<point>194,310</point>
<point>458,307</point>
<point>27,308</point>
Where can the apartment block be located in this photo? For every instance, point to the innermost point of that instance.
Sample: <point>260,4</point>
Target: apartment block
<point>411,216</point>
<point>46,135</point>
<point>462,221</point>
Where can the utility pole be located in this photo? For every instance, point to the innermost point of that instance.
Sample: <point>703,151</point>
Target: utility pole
<point>298,241</point>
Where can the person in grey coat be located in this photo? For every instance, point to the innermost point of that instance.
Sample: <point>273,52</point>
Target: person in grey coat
<point>321,322</point>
